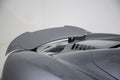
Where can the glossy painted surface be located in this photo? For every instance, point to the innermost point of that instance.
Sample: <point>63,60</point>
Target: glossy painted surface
<point>100,63</point>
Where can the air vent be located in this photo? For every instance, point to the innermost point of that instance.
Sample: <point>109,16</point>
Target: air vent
<point>81,47</point>
<point>57,49</point>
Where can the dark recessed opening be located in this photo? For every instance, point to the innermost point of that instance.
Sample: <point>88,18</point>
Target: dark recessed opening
<point>57,49</point>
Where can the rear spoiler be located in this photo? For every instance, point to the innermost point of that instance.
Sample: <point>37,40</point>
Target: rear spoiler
<point>31,40</point>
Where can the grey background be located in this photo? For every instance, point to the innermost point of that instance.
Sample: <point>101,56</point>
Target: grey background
<point>18,16</point>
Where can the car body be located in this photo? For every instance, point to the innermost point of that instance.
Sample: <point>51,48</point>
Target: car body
<point>63,53</point>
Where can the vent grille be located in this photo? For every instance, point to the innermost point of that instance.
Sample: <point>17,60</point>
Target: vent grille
<point>81,47</point>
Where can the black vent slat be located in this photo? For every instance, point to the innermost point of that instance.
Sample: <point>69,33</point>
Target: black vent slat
<point>85,47</point>
<point>73,46</point>
<point>77,45</point>
<point>81,46</point>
